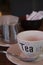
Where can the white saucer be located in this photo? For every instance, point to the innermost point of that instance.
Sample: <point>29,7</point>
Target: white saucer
<point>3,44</point>
<point>14,49</point>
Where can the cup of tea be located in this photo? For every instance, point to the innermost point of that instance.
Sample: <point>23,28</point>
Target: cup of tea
<point>31,43</point>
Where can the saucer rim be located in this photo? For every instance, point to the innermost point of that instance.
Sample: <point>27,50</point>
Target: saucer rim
<point>3,44</point>
<point>14,58</point>
<point>8,57</point>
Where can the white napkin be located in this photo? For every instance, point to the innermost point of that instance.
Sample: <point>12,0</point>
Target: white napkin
<point>35,15</point>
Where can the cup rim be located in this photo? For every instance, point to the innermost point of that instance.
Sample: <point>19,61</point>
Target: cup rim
<point>19,35</point>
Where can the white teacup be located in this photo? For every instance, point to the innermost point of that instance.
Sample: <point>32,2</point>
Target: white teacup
<point>31,43</point>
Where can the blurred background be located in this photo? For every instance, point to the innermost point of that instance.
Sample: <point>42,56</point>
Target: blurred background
<point>4,10</point>
<point>4,7</point>
<point>20,7</point>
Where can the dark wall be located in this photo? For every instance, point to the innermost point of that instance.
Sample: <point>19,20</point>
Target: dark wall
<point>2,1</point>
<point>37,5</point>
<point>20,7</point>
<point>23,7</point>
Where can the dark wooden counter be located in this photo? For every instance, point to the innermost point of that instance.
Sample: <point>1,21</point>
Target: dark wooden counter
<point>3,59</point>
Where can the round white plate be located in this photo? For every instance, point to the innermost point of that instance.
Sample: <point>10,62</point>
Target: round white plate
<point>14,49</point>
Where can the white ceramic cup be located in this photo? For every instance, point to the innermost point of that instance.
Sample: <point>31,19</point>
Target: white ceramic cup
<point>31,43</point>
